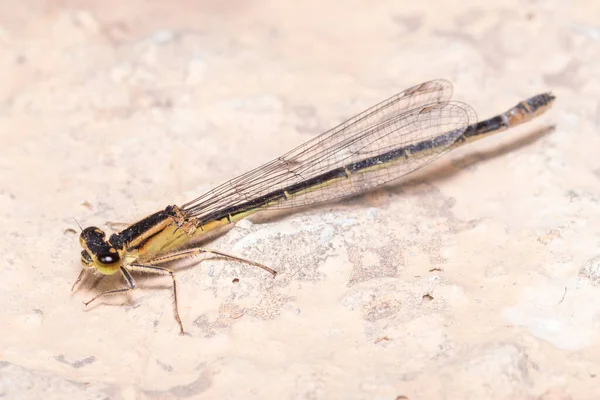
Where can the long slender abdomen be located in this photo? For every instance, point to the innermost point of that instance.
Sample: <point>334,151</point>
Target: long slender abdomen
<point>523,112</point>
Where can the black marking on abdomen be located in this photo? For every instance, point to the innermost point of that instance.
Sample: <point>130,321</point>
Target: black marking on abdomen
<point>444,140</point>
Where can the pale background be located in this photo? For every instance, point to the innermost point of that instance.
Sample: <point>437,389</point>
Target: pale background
<point>477,279</point>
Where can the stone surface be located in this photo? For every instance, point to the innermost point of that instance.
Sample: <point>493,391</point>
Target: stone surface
<point>475,279</point>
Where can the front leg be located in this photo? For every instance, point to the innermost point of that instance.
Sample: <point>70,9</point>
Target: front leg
<point>152,269</point>
<point>78,279</point>
<point>128,279</point>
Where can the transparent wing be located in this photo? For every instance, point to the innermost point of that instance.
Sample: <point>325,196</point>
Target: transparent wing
<point>411,120</point>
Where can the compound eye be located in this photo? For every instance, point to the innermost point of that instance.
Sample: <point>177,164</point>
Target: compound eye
<point>86,259</point>
<point>108,258</point>
<point>91,236</point>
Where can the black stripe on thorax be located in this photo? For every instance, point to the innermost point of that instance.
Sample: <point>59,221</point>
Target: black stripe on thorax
<point>119,240</point>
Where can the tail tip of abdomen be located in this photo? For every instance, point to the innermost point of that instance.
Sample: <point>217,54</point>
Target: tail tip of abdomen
<point>540,103</point>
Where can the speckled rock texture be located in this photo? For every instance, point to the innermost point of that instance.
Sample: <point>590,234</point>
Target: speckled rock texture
<point>476,278</point>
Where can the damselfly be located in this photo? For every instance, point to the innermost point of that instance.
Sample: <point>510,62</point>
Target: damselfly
<point>387,141</point>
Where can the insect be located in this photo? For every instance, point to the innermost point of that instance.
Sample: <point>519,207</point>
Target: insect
<point>383,143</point>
